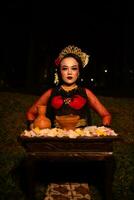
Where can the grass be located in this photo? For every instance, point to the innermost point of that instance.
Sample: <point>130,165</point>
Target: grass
<point>13,107</point>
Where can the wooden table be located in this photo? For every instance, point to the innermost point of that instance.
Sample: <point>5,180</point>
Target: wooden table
<point>82,149</point>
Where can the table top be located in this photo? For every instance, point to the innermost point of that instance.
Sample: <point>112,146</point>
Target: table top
<point>23,138</point>
<point>45,145</point>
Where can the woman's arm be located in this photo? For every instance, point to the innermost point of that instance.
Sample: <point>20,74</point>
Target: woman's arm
<point>32,111</point>
<point>96,105</point>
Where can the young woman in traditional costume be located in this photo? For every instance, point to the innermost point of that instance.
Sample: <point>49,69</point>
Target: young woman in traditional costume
<point>69,97</point>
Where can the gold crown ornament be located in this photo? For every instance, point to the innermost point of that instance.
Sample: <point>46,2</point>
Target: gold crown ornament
<point>71,49</point>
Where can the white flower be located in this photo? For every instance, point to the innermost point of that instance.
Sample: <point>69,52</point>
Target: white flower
<point>86,60</point>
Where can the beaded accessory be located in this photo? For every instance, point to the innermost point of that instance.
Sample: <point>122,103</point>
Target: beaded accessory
<point>71,49</point>
<point>68,89</point>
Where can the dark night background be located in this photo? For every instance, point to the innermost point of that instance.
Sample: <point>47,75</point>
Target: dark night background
<point>32,34</point>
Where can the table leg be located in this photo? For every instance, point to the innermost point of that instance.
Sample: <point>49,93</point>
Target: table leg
<point>109,168</point>
<point>30,178</point>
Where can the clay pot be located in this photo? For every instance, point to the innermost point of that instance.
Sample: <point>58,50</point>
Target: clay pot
<point>68,122</point>
<point>42,121</point>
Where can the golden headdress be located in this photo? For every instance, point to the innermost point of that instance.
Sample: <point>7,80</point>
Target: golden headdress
<point>71,49</point>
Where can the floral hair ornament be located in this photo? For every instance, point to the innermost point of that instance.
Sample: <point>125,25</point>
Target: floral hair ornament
<point>56,78</point>
<point>71,49</point>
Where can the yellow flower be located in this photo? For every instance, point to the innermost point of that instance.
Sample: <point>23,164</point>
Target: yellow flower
<point>36,130</point>
<point>101,133</point>
<point>79,132</point>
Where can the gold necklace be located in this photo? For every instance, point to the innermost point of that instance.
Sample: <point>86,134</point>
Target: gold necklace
<point>68,88</point>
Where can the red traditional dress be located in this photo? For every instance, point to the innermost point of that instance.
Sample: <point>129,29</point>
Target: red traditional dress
<point>73,102</point>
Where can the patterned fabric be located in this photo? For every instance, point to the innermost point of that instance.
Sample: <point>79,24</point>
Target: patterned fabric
<point>68,191</point>
<point>73,102</point>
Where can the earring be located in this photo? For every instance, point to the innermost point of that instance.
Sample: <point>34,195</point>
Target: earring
<point>56,78</point>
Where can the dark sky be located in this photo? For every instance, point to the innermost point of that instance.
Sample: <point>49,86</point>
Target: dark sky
<point>92,24</point>
<point>102,28</point>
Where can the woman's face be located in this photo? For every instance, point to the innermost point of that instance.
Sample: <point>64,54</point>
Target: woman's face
<point>69,69</point>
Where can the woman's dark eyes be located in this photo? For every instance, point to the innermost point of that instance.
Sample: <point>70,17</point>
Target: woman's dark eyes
<point>73,68</point>
<point>64,68</point>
